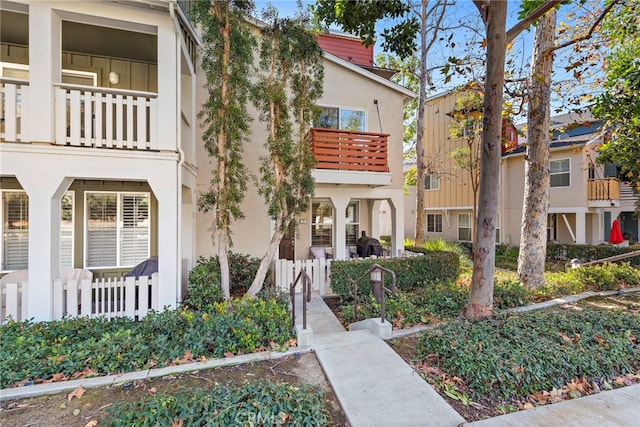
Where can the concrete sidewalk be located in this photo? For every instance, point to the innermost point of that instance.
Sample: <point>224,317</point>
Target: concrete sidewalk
<point>377,388</point>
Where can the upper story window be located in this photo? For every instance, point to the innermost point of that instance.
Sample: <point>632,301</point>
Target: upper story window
<point>431,182</point>
<point>341,118</point>
<point>560,171</point>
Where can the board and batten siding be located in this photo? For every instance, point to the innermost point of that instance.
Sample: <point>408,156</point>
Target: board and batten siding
<point>455,188</point>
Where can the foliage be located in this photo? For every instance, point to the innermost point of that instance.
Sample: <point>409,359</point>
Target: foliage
<point>561,252</point>
<point>619,105</point>
<point>83,347</point>
<point>360,17</point>
<point>439,244</point>
<point>204,279</point>
<point>526,353</point>
<point>257,402</point>
<point>411,272</point>
<point>286,93</point>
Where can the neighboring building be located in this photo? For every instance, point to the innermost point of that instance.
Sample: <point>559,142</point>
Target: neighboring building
<point>97,142</point>
<point>585,197</point>
<point>361,113</point>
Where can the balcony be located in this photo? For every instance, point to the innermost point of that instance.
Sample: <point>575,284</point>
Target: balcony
<point>603,192</point>
<point>85,116</point>
<point>350,157</point>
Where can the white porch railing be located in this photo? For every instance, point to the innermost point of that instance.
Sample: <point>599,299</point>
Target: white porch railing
<point>14,96</point>
<point>106,118</point>
<point>115,297</point>
<point>286,271</point>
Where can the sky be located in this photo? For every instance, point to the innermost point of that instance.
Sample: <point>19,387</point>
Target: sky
<point>466,11</point>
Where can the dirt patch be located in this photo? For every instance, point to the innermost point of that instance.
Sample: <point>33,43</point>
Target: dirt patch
<point>58,410</point>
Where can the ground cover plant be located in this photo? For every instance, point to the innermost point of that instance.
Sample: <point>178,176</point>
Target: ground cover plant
<point>257,402</point>
<point>436,302</point>
<point>530,358</point>
<point>33,352</point>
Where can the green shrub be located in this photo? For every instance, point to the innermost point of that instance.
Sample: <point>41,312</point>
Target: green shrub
<point>204,279</point>
<point>513,356</point>
<point>411,272</point>
<point>439,244</point>
<point>562,252</point>
<point>37,351</point>
<point>253,403</point>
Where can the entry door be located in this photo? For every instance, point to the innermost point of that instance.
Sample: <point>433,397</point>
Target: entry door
<point>287,249</point>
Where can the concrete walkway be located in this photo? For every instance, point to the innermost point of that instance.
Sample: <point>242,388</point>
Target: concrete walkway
<point>377,388</point>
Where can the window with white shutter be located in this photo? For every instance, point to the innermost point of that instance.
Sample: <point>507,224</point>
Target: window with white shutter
<point>66,230</point>
<point>15,230</point>
<point>117,228</point>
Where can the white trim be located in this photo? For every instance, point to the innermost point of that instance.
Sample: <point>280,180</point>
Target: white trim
<point>368,74</point>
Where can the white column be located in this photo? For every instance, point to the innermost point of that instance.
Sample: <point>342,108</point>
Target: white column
<point>45,193</point>
<point>168,102</point>
<point>45,53</point>
<point>165,188</point>
<point>374,214</point>
<point>581,231</point>
<point>397,223</point>
<point>340,230</point>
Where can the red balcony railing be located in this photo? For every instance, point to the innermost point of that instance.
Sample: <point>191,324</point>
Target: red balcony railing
<point>349,150</point>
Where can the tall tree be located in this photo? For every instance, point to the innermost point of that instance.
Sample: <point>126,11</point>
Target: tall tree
<point>619,105</point>
<point>533,234</point>
<point>226,61</point>
<point>286,94</point>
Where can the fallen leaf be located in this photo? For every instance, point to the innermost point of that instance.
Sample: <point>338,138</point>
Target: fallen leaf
<point>78,392</point>
<point>76,412</point>
<point>228,354</point>
<point>176,423</point>
<point>92,423</point>
<point>188,355</point>
<point>527,405</point>
<point>153,390</point>
<point>565,338</point>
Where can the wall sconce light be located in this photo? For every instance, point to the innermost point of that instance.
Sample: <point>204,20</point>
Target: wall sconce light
<point>114,78</point>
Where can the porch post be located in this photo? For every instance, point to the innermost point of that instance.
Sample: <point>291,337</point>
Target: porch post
<point>340,207</point>
<point>397,224</point>
<point>45,193</point>
<point>581,228</point>
<point>45,53</point>
<point>374,214</point>
<point>168,102</point>
<point>165,188</point>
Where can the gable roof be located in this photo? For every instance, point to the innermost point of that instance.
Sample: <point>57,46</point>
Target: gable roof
<point>368,74</point>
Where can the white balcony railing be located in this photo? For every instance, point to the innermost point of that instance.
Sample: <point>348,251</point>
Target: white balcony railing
<point>106,118</point>
<point>14,95</point>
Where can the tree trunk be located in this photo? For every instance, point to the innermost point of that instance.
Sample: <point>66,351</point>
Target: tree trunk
<point>480,302</point>
<point>533,232</point>
<point>274,244</point>
<point>223,259</point>
<point>420,134</point>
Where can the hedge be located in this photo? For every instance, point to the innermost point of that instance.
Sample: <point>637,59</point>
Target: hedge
<point>411,272</point>
<point>562,252</point>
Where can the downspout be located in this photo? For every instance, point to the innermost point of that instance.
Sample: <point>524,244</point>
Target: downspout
<point>180,161</point>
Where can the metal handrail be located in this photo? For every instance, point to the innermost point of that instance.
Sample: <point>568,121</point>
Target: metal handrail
<point>306,297</point>
<point>383,290</point>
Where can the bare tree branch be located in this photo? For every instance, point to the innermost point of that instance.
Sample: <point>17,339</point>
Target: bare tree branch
<point>591,30</point>
<point>529,19</point>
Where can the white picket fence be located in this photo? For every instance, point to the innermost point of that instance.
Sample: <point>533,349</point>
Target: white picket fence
<point>319,270</point>
<point>113,297</point>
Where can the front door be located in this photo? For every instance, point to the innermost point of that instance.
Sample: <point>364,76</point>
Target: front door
<point>287,249</point>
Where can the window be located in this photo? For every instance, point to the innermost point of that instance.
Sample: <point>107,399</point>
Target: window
<point>497,228</point>
<point>321,223</point>
<point>341,118</point>
<point>560,173</point>
<point>117,227</point>
<point>434,223</point>
<point>431,182</point>
<point>464,227</point>
<point>15,230</point>
<point>353,223</point>
<point>551,227</point>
